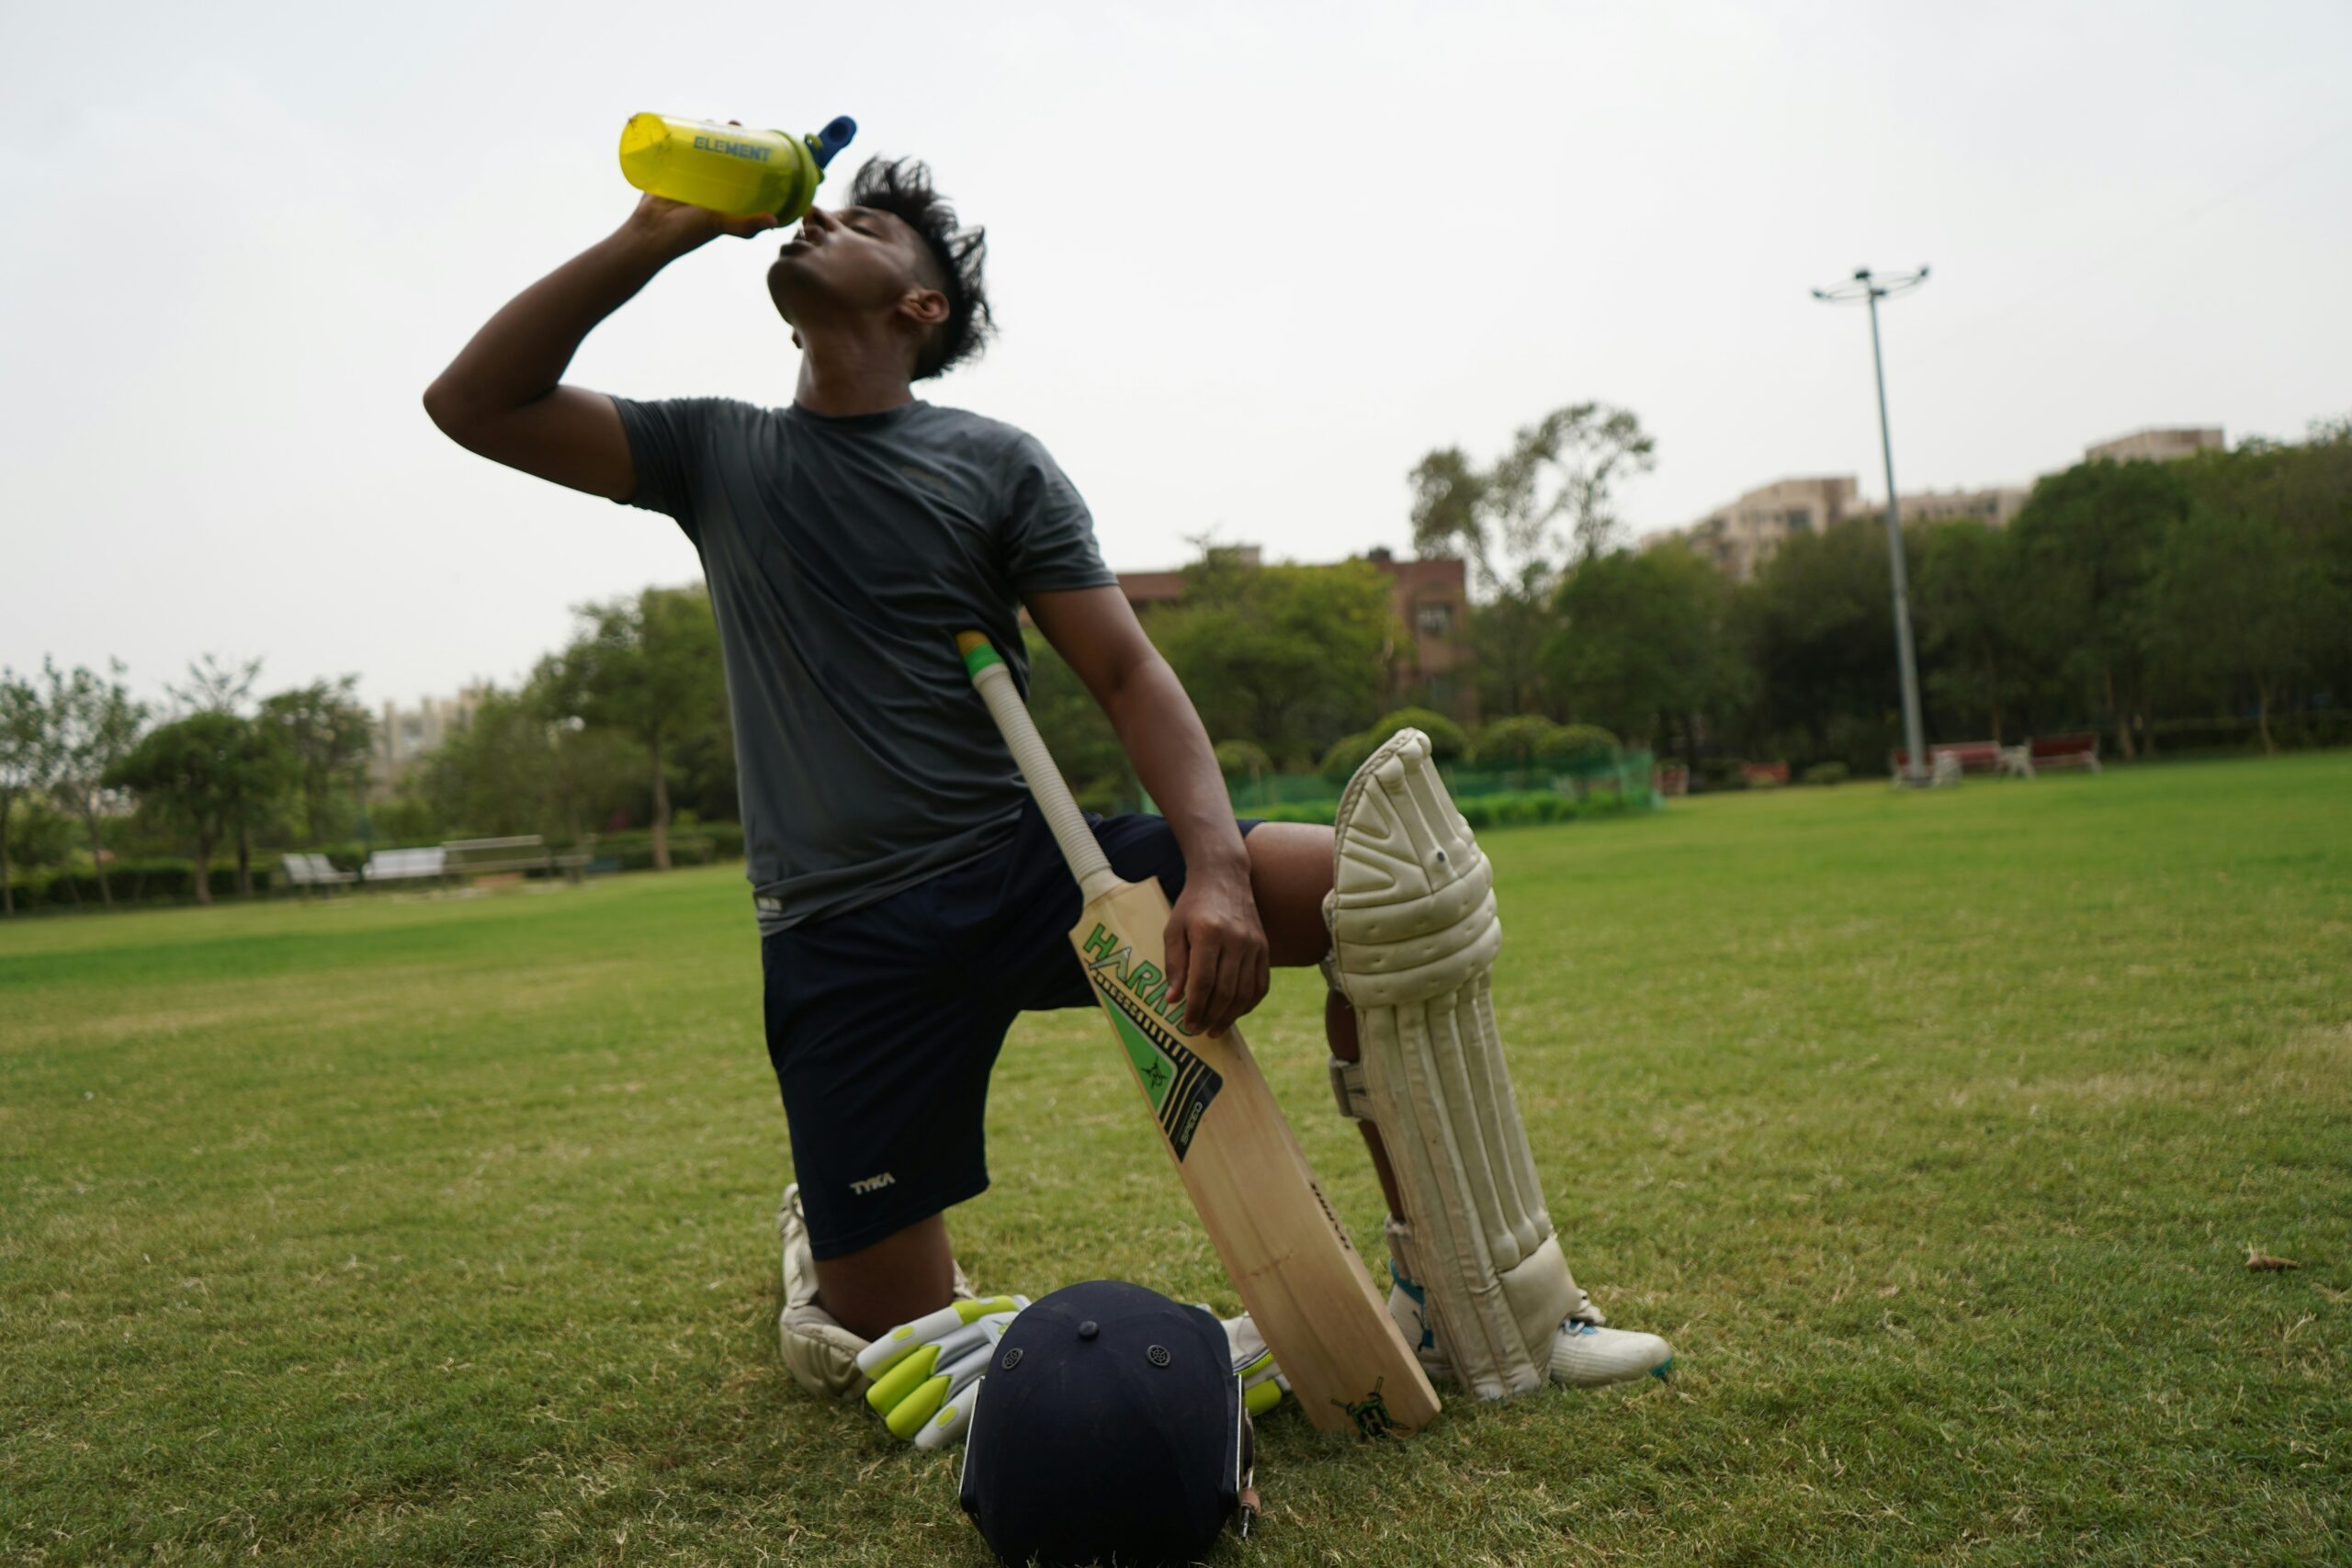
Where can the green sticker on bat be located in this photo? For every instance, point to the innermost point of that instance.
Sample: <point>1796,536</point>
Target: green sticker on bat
<point>1178,1083</point>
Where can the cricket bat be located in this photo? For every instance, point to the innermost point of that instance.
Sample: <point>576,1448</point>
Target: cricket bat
<point>1297,1273</point>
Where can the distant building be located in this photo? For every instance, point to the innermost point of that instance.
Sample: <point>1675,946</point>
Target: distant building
<point>1995,504</point>
<point>2159,443</point>
<point>1433,670</point>
<point>1432,600</point>
<point>407,736</point>
<point>1741,536</point>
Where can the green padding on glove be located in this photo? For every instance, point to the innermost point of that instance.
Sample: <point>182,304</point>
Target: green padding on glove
<point>925,1372</point>
<point>909,1337</point>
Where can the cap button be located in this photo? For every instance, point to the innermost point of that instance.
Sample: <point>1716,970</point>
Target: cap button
<point>1089,1329</point>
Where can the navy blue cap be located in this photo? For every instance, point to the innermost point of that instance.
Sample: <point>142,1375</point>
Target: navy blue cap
<point>1109,1428</point>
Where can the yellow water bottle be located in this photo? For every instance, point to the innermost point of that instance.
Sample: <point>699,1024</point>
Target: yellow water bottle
<point>727,168</point>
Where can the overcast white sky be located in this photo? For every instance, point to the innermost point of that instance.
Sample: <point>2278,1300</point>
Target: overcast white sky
<point>1252,261</point>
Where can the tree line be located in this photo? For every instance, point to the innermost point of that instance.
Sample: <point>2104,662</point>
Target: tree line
<point>220,767</point>
<point>2201,603</point>
<point>627,724</point>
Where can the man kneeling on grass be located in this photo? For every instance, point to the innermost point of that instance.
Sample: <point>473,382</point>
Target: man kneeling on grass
<point>910,898</point>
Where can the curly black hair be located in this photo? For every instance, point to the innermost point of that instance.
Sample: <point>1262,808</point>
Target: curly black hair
<point>901,187</point>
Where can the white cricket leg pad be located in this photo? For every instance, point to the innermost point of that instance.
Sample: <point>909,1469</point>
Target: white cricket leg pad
<point>1414,936</point>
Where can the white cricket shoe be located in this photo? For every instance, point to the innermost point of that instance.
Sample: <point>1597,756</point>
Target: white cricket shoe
<point>1584,1356</point>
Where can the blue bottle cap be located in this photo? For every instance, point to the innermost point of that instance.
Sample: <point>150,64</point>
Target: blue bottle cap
<point>832,138</point>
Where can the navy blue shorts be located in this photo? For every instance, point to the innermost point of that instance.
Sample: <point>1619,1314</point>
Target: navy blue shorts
<point>883,1023</point>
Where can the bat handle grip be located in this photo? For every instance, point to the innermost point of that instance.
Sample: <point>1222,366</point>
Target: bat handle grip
<point>1087,861</point>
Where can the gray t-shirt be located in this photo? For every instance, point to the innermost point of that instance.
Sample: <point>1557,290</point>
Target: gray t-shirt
<point>843,556</point>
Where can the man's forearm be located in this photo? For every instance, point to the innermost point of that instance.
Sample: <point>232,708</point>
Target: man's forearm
<point>1164,739</point>
<point>520,354</point>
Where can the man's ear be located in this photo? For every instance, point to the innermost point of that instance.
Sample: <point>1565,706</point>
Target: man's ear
<point>927,307</point>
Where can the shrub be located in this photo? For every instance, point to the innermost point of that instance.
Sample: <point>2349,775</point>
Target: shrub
<point>1516,741</point>
<point>1347,754</point>
<point>1447,740</point>
<point>1721,773</point>
<point>164,879</point>
<point>1580,742</point>
<point>1826,773</point>
<point>712,843</point>
<point>1243,759</point>
<point>1514,811</point>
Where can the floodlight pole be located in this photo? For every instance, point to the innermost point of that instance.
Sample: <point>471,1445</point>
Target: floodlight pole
<point>1871,291</point>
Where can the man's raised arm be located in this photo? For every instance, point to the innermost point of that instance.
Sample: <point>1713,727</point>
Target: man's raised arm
<point>503,395</point>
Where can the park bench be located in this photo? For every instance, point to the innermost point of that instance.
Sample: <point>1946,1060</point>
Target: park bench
<point>305,871</point>
<point>1768,773</point>
<point>1954,758</point>
<point>405,865</point>
<point>519,856</point>
<point>2064,751</point>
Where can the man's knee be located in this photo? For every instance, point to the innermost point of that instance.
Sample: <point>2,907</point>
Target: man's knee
<point>1290,871</point>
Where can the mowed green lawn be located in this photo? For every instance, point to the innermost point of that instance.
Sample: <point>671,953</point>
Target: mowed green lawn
<point>1932,1129</point>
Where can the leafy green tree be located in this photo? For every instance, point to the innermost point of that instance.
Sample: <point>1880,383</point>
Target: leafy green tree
<point>2239,607</point>
<point>213,686</point>
<point>194,772</point>
<point>1077,732</point>
<point>326,734</point>
<point>647,667</point>
<point>39,834</point>
<point>2086,542</point>
<point>512,770</point>
<point>2305,489</point>
<point>1965,592</point>
<point>1817,629</point>
<point>93,723</point>
<point>1548,502</point>
<point>1640,646</point>
<point>263,771</point>
<point>27,761</point>
<point>1286,655</point>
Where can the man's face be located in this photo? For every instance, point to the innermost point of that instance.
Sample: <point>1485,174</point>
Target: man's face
<point>846,264</point>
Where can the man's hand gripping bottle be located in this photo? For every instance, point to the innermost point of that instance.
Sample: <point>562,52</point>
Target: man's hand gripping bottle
<point>727,168</point>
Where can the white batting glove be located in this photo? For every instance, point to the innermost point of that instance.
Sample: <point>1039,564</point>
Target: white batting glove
<point>925,1372</point>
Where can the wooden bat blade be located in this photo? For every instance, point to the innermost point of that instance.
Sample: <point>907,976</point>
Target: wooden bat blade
<point>1297,1273</point>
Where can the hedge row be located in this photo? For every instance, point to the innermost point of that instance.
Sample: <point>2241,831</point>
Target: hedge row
<point>172,879</point>
<point>1528,808</point>
<point>133,882</point>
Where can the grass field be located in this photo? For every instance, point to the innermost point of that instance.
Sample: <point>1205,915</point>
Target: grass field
<point>1932,1129</point>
